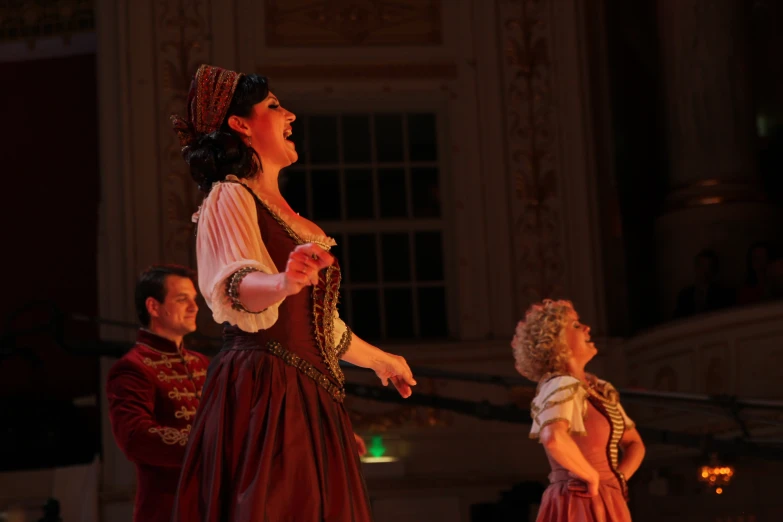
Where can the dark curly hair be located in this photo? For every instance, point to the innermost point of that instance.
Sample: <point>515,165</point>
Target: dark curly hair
<point>214,156</point>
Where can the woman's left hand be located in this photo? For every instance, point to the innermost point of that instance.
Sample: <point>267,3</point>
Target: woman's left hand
<point>361,447</point>
<point>393,368</point>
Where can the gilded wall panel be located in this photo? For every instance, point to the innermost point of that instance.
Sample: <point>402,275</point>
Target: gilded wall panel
<point>538,256</point>
<point>183,43</point>
<point>339,23</point>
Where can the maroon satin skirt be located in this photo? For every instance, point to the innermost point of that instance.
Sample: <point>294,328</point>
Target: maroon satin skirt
<point>565,501</point>
<point>269,444</point>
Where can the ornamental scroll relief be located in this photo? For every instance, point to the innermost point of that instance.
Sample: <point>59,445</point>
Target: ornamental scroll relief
<point>183,32</point>
<point>313,23</point>
<point>33,21</point>
<point>538,261</point>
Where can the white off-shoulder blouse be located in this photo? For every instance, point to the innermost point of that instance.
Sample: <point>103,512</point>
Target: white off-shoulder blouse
<point>228,239</point>
<point>564,398</point>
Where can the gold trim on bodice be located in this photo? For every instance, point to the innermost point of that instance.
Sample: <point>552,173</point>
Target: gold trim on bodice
<point>324,300</point>
<point>324,309</point>
<point>290,358</point>
<point>322,241</point>
<point>606,400</point>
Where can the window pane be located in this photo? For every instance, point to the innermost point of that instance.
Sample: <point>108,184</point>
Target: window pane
<point>422,137</point>
<point>362,259</point>
<point>388,137</point>
<point>426,193</point>
<point>298,137</point>
<point>293,186</point>
<point>337,250</point>
<point>344,306</point>
<point>356,139</point>
<point>366,313</point>
<point>432,312</point>
<point>391,189</point>
<point>365,146</point>
<point>429,256</point>
<point>398,304</point>
<point>323,139</point>
<point>326,194</point>
<point>396,257</point>
<point>359,194</point>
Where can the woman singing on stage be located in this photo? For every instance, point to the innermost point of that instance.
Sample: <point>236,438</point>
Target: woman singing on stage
<point>271,439</point>
<point>578,419</point>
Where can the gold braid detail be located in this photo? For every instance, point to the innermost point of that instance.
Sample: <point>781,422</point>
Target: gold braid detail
<point>173,377</point>
<point>232,289</point>
<point>164,360</point>
<point>180,395</point>
<point>324,308</point>
<point>575,386</point>
<point>345,343</point>
<point>552,421</point>
<point>185,413</point>
<point>276,349</point>
<point>280,221</point>
<point>171,435</point>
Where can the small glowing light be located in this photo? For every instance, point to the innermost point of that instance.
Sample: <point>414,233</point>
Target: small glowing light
<point>379,460</point>
<point>716,477</point>
<point>377,449</point>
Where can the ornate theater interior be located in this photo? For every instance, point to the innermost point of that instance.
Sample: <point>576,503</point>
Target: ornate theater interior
<point>470,158</point>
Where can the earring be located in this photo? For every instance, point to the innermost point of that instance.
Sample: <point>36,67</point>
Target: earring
<point>249,141</point>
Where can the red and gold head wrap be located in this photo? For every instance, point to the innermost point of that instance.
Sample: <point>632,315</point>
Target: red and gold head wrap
<point>208,100</point>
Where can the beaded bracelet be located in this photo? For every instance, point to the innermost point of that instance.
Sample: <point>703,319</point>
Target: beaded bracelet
<point>232,289</point>
<point>345,342</point>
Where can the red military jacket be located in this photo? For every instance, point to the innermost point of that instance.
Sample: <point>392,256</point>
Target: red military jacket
<point>153,392</point>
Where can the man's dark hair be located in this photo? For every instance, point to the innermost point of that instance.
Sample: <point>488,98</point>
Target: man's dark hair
<point>152,283</point>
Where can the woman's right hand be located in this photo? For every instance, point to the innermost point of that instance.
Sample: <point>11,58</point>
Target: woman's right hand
<point>304,264</point>
<point>585,487</point>
<point>592,486</point>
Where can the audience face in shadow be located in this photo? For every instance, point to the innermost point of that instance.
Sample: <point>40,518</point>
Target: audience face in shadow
<point>705,294</point>
<point>763,281</point>
<point>756,284</point>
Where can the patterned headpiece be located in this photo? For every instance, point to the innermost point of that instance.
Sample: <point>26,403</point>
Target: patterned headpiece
<point>208,100</point>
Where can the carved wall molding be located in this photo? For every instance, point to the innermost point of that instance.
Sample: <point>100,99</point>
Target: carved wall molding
<point>184,34</point>
<point>308,23</point>
<point>34,20</point>
<point>361,72</point>
<point>531,132</point>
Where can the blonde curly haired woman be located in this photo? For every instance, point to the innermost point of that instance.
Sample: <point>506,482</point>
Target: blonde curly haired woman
<point>577,417</point>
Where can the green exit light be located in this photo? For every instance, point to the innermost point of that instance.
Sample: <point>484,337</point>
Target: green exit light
<point>377,449</point>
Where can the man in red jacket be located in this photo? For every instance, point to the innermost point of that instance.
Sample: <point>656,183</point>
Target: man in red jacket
<point>154,390</point>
